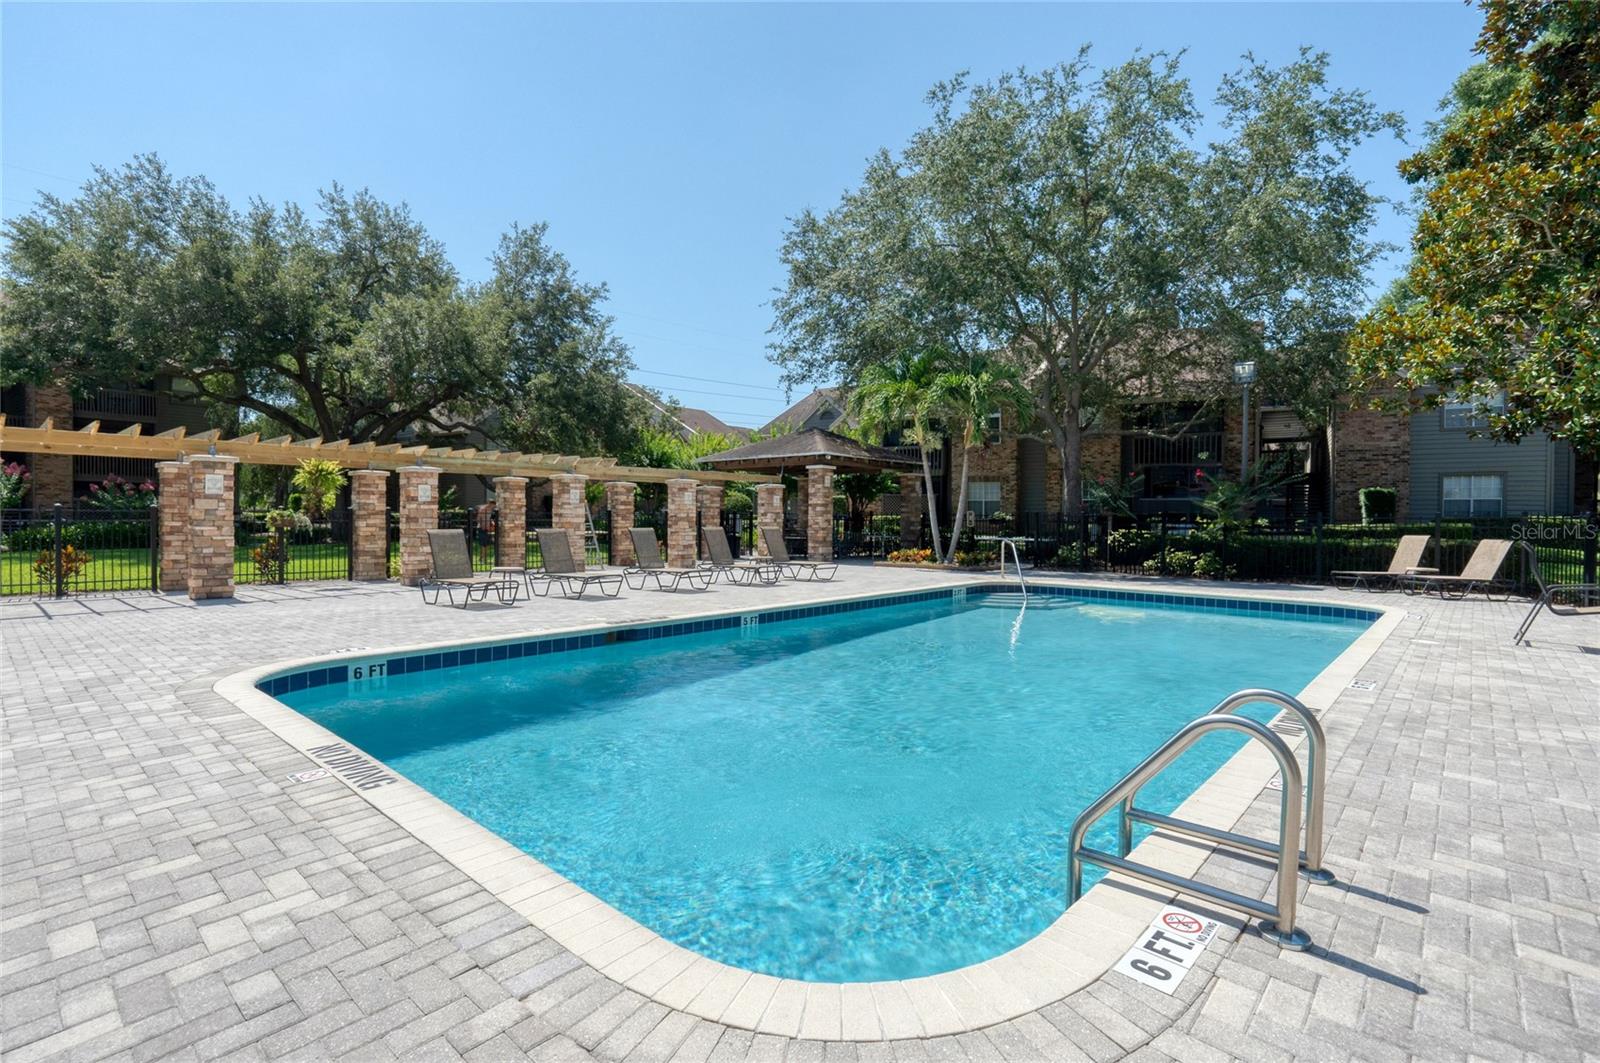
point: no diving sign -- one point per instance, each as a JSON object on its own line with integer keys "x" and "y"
{"x": 1168, "y": 949}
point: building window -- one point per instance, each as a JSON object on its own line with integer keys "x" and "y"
{"x": 1473, "y": 496}
{"x": 983, "y": 497}
{"x": 1465, "y": 413}
{"x": 992, "y": 428}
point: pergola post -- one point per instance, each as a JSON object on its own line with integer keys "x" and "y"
{"x": 511, "y": 521}
{"x": 619, "y": 509}
{"x": 708, "y": 497}
{"x": 172, "y": 505}
{"x": 419, "y": 514}
{"x": 912, "y": 506}
{"x": 819, "y": 512}
{"x": 567, "y": 511}
{"x": 369, "y": 524}
{"x": 211, "y": 526}
{"x": 769, "y": 514}
{"x": 681, "y": 552}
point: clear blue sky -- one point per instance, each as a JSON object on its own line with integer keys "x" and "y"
{"x": 665, "y": 145}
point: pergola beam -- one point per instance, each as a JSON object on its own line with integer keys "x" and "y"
{"x": 175, "y": 444}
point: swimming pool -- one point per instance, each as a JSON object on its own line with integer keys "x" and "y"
{"x": 878, "y": 792}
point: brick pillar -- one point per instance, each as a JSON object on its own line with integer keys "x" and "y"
{"x": 50, "y": 475}
{"x": 769, "y": 513}
{"x": 619, "y": 503}
{"x": 511, "y": 521}
{"x": 568, "y": 509}
{"x": 1371, "y": 448}
{"x": 210, "y": 546}
{"x": 708, "y": 497}
{"x": 682, "y": 550}
{"x": 912, "y": 508}
{"x": 172, "y": 505}
{"x": 419, "y": 514}
{"x": 369, "y": 524}
{"x": 819, "y": 512}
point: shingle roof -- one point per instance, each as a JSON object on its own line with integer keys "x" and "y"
{"x": 813, "y": 446}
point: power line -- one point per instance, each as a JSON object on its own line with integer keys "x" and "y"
{"x": 722, "y": 394}
{"x": 714, "y": 380}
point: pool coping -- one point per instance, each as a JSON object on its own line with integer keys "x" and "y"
{"x": 1072, "y": 953}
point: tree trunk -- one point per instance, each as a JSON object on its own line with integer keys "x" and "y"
{"x": 933, "y": 506}
{"x": 1067, "y": 431}
{"x": 961, "y": 511}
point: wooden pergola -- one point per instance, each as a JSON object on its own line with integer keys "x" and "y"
{"x": 175, "y": 444}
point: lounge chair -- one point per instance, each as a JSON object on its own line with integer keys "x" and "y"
{"x": 1407, "y": 561}
{"x": 452, "y": 571}
{"x": 723, "y": 564}
{"x": 1481, "y": 573}
{"x": 650, "y": 566}
{"x": 560, "y": 570}
{"x": 1585, "y": 597}
{"x": 779, "y": 552}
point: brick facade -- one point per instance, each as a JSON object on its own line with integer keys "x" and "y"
{"x": 172, "y": 515}
{"x": 1371, "y": 448}
{"x": 819, "y": 512}
{"x": 369, "y": 524}
{"x": 996, "y": 461}
{"x": 769, "y": 513}
{"x": 51, "y": 474}
{"x": 913, "y": 507}
{"x": 619, "y": 506}
{"x": 709, "y": 499}
{"x": 511, "y": 521}
{"x": 681, "y": 524}
{"x": 210, "y": 546}
{"x": 419, "y": 514}
{"x": 569, "y": 511}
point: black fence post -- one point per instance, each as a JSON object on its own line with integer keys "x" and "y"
{"x": 1591, "y": 548}
{"x": 1321, "y": 562}
{"x": 153, "y": 537}
{"x": 60, "y": 568}
{"x": 1163, "y": 526}
{"x": 280, "y": 546}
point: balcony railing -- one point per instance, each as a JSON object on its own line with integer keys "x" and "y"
{"x": 118, "y": 404}
{"x": 1190, "y": 449}
{"x": 935, "y": 457}
{"x": 93, "y": 468}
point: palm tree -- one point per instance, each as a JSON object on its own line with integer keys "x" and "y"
{"x": 896, "y": 396}
{"x": 967, "y": 390}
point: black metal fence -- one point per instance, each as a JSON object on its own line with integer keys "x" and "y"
{"x": 77, "y": 550}
{"x": 1565, "y": 546}
{"x": 278, "y": 546}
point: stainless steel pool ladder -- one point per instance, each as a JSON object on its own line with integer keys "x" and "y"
{"x": 1016, "y": 558}
{"x": 1278, "y": 922}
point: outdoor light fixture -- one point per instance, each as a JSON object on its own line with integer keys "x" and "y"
{"x": 1244, "y": 374}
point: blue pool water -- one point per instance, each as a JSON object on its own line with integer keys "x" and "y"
{"x": 866, "y": 795}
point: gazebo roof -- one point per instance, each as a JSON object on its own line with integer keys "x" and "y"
{"x": 814, "y": 446}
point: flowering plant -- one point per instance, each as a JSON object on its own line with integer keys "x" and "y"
{"x": 115, "y": 493}
{"x": 14, "y": 481}
{"x": 72, "y": 561}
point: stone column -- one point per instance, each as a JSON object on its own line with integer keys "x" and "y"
{"x": 682, "y": 550}
{"x": 769, "y": 513}
{"x": 419, "y": 514}
{"x": 50, "y": 475}
{"x": 912, "y": 508}
{"x": 369, "y": 524}
{"x": 819, "y": 512}
{"x": 708, "y": 499}
{"x": 567, "y": 510}
{"x": 511, "y": 521}
{"x": 172, "y": 505}
{"x": 210, "y": 546}
{"x": 619, "y": 503}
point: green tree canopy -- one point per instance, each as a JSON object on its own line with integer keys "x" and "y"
{"x": 346, "y": 324}
{"x": 1071, "y": 221}
{"x": 1503, "y": 292}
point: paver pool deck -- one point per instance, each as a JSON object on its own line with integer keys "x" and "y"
{"x": 167, "y": 893}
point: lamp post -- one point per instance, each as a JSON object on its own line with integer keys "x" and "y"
{"x": 1244, "y": 374}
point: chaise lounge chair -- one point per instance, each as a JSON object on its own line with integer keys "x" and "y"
{"x": 452, "y": 571}
{"x": 722, "y": 562}
{"x": 1481, "y": 573}
{"x": 1585, "y": 597}
{"x": 779, "y": 552}
{"x": 1407, "y": 561}
{"x": 650, "y": 566}
{"x": 562, "y": 571}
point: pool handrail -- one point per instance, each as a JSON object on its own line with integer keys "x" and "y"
{"x": 1016, "y": 557}
{"x": 1278, "y": 920}
{"x": 1311, "y": 868}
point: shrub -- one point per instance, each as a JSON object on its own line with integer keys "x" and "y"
{"x": 287, "y": 520}
{"x": 14, "y": 482}
{"x": 1131, "y": 546}
{"x": 318, "y": 481}
{"x": 1210, "y": 566}
{"x": 73, "y": 561}
{"x": 1378, "y": 504}
{"x": 1069, "y": 556}
{"x": 737, "y": 502}
{"x": 1179, "y": 563}
{"x": 976, "y": 558}
{"x": 119, "y": 495}
{"x": 911, "y": 557}
{"x": 268, "y": 562}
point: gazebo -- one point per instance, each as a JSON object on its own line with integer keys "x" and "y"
{"x": 813, "y": 456}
